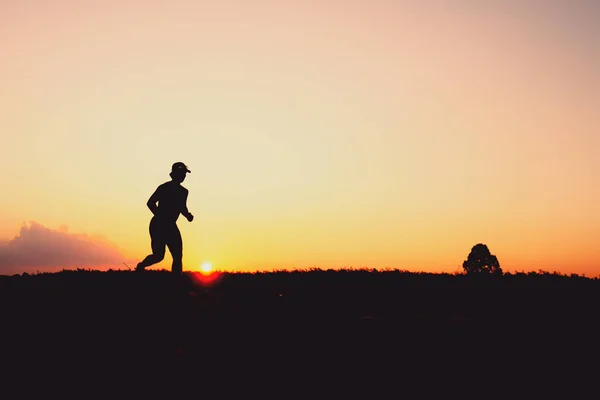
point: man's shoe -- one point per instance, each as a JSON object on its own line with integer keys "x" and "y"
{"x": 140, "y": 268}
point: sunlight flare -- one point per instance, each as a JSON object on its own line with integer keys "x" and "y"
{"x": 206, "y": 275}
{"x": 206, "y": 267}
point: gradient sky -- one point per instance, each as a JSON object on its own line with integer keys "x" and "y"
{"x": 323, "y": 133}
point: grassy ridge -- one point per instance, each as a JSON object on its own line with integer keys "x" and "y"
{"x": 347, "y": 325}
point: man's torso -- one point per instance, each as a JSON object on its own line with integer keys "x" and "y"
{"x": 171, "y": 201}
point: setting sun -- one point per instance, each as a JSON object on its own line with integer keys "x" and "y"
{"x": 206, "y": 267}
{"x": 206, "y": 274}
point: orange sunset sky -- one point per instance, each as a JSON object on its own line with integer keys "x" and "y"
{"x": 380, "y": 133}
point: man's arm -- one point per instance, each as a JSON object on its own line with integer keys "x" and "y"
{"x": 185, "y": 211}
{"x": 153, "y": 200}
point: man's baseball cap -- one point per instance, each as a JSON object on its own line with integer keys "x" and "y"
{"x": 179, "y": 166}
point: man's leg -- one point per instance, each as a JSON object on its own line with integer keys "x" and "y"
{"x": 158, "y": 247}
{"x": 175, "y": 245}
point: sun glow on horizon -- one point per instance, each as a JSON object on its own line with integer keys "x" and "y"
{"x": 206, "y": 267}
{"x": 206, "y": 274}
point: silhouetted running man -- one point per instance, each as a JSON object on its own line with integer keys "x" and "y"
{"x": 172, "y": 201}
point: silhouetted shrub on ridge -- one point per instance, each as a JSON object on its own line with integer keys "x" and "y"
{"x": 480, "y": 260}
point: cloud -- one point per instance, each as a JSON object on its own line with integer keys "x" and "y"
{"x": 37, "y": 248}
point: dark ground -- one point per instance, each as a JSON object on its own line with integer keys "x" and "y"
{"x": 315, "y": 334}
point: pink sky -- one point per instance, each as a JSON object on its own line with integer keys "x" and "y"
{"x": 320, "y": 133}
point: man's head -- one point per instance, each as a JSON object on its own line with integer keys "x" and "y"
{"x": 179, "y": 171}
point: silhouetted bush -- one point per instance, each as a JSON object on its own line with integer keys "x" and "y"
{"x": 480, "y": 260}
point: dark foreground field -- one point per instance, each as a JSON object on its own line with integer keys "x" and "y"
{"x": 318, "y": 334}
